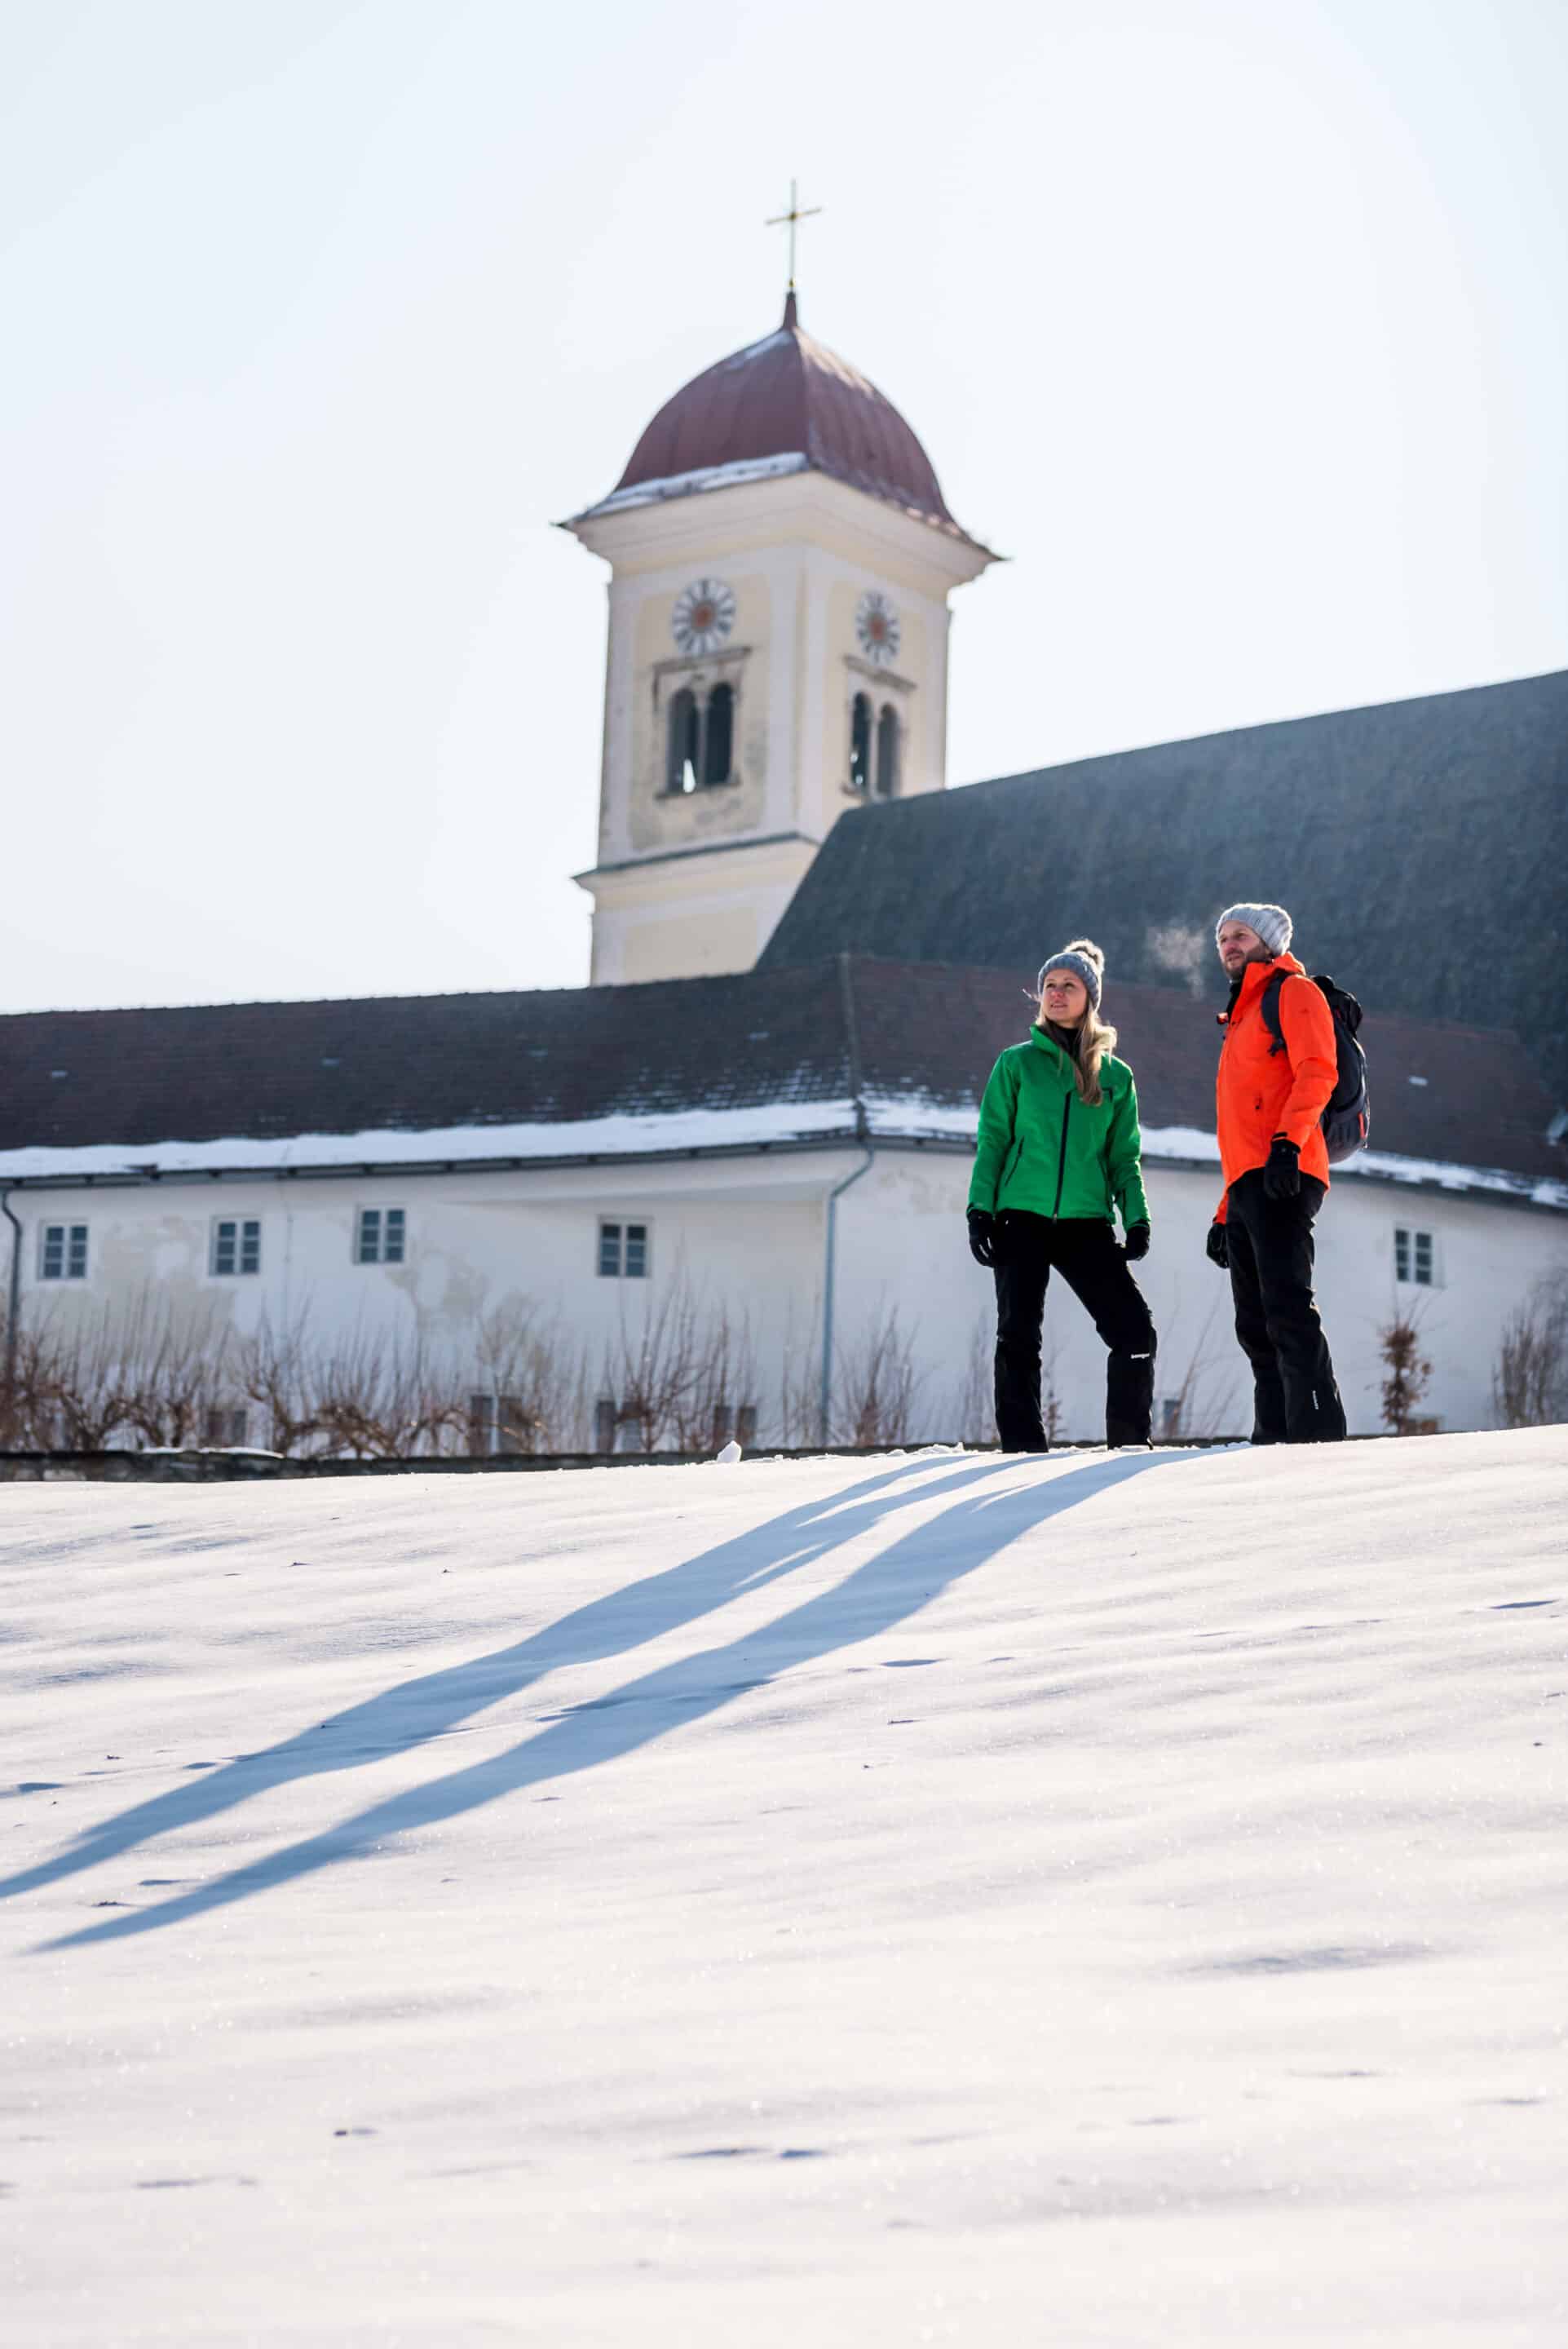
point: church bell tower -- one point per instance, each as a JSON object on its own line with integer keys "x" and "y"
{"x": 781, "y": 559}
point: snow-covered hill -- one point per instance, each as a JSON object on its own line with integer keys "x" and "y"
{"x": 930, "y": 1899}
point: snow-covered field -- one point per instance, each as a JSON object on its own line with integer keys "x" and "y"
{"x": 931, "y": 1898}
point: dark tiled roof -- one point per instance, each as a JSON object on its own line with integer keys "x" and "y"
{"x": 266, "y": 1070}
{"x": 791, "y": 395}
{"x": 1416, "y": 844}
{"x": 926, "y": 1026}
{"x": 796, "y": 1036}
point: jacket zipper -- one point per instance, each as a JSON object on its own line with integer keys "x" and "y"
{"x": 1062, "y": 1155}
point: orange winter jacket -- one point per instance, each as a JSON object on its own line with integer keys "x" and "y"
{"x": 1260, "y": 1093}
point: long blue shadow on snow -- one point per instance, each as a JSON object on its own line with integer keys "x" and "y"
{"x": 896, "y": 1583}
{"x": 432, "y": 1705}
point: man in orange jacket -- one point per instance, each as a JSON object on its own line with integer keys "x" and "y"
{"x": 1274, "y": 1161}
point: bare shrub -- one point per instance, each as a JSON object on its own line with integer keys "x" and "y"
{"x": 722, "y": 1384}
{"x": 650, "y": 1365}
{"x": 1052, "y": 1409}
{"x": 32, "y": 1409}
{"x": 1530, "y": 1381}
{"x": 875, "y": 1383}
{"x": 800, "y": 1380}
{"x": 274, "y": 1366}
{"x": 83, "y": 1377}
{"x": 141, "y": 1366}
{"x": 1409, "y": 1374}
{"x": 176, "y": 1370}
{"x": 973, "y": 1408}
{"x": 1205, "y": 1399}
{"x": 380, "y": 1397}
{"x": 682, "y": 1373}
{"x": 535, "y": 1378}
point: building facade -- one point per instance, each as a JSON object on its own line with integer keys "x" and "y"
{"x": 641, "y": 1216}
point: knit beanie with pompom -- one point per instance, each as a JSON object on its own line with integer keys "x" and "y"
{"x": 1085, "y": 960}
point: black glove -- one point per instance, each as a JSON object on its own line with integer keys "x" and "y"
{"x": 1135, "y": 1242}
{"x": 982, "y": 1236}
{"x": 1217, "y": 1247}
{"x": 1282, "y": 1175}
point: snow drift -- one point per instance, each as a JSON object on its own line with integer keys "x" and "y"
{"x": 930, "y": 1899}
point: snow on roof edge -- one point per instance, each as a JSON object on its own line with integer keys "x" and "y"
{"x": 891, "y": 1117}
{"x": 618, "y": 1135}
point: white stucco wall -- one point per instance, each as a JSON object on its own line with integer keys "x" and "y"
{"x": 747, "y": 1234}
{"x": 902, "y": 1238}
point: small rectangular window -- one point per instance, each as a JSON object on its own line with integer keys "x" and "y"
{"x": 499, "y": 1425}
{"x": 224, "y": 1424}
{"x": 1415, "y": 1257}
{"x": 236, "y": 1245}
{"x": 605, "y": 1418}
{"x": 378, "y": 1235}
{"x": 746, "y": 1424}
{"x": 624, "y": 1250}
{"x": 63, "y": 1252}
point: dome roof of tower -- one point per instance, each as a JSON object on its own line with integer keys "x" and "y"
{"x": 787, "y": 404}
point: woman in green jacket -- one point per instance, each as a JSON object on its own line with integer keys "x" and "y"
{"x": 1058, "y": 1153}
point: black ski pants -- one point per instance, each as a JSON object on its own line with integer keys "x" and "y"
{"x": 1086, "y": 1253}
{"x": 1295, "y": 1399}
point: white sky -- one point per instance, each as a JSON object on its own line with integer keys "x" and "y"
{"x": 1238, "y": 324}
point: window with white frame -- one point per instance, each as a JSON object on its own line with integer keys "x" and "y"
{"x": 1415, "y": 1257}
{"x": 236, "y": 1245}
{"x": 223, "y": 1424}
{"x": 379, "y": 1236}
{"x": 622, "y": 1251}
{"x": 63, "y": 1252}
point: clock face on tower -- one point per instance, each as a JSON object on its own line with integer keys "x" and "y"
{"x": 876, "y": 626}
{"x": 704, "y": 615}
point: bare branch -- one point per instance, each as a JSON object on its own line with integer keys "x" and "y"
{"x": 1530, "y": 1380}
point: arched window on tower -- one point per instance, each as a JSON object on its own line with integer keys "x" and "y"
{"x": 719, "y": 735}
{"x": 887, "y": 752}
{"x": 682, "y": 750}
{"x": 861, "y": 743}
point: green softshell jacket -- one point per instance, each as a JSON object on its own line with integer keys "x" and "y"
{"x": 1043, "y": 1148}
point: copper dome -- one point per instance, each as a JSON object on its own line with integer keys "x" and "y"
{"x": 786, "y": 396}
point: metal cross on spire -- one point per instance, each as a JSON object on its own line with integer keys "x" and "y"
{"x": 791, "y": 219}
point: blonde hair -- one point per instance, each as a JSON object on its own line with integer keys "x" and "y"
{"x": 1093, "y": 1038}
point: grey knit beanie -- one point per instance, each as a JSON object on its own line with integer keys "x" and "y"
{"x": 1272, "y": 923}
{"x": 1085, "y": 960}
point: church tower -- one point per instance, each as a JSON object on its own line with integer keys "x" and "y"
{"x": 781, "y": 558}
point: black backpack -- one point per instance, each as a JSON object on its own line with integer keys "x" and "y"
{"x": 1348, "y": 1120}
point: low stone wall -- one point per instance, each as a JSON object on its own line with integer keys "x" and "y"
{"x": 246, "y": 1467}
